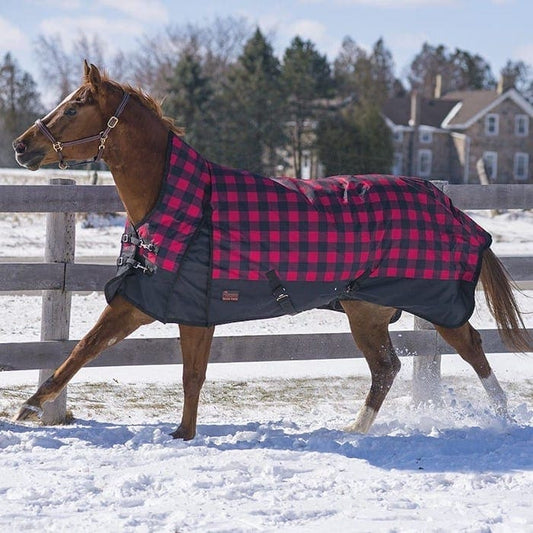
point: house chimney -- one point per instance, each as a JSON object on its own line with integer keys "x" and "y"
{"x": 505, "y": 83}
{"x": 414, "y": 119}
{"x": 438, "y": 86}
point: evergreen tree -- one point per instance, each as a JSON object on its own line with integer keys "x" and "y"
{"x": 307, "y": 79}
{"x": 339, "y": 145}
{"x": 253, "y": 103}
{"x": 20, "y": 106}
{"x": 189, "y": 95}
{"x": 355, "y": 141}
{"x": 376, "y": 138}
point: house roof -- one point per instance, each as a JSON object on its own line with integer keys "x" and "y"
{"x": 432, "y": 111}
{"x": 474, "y": 104}
{"x": 455, "y": 110}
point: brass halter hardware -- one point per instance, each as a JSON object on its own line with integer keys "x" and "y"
{"x": 102, "y": 137}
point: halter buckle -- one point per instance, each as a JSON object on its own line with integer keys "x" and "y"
{"x": 58, "y": 146}
{"x": 112, "y": 122}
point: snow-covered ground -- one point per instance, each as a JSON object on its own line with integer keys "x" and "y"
{"x": 270, "y": 454}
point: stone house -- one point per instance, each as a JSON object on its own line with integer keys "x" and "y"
{"x": 463, "y": 136}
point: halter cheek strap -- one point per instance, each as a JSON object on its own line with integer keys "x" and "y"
{"x": 102, "y": 137}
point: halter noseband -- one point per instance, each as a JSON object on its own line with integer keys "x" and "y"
{"x": 102, "y": 137}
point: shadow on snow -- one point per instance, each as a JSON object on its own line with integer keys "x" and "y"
{"x": 473, "y": 449}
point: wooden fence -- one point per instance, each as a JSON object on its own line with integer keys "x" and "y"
{"x": 58, "y": 276}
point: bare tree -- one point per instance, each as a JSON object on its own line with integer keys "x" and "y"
{"x": 214, "y": 46}
{"x": 60, "y": 68}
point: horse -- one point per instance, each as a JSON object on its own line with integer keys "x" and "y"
{"x": 132, "y": 137}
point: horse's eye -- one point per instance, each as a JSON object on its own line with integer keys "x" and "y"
{"x": 70, "y": 111}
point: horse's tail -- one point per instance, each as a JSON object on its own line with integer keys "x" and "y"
{"x": 498, "y": 288}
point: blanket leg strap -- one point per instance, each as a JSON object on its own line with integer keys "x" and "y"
{"x": 280, "y": 292}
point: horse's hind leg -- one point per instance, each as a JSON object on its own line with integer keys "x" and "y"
{"x": 117, "y": 321}
{"x": 467, "y": 341}
{"x": 370, "y": 328}
{"x": 195, "y": 348}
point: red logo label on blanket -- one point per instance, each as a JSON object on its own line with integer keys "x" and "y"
{"x": 230, "y": 296}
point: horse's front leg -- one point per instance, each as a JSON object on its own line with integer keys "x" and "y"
{"x": 118, "y": 320}
{"x": 195, "y": 348}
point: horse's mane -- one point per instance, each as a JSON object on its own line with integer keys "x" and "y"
{"x": 147, "y": 101}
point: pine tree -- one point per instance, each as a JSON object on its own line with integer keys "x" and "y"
{"x": 355, "y": 140}
{"x": 20, "y": 106}
{"x": 189, "y": 96}
{"x": 307, "y": 79}
{"x": 253, "y": 104}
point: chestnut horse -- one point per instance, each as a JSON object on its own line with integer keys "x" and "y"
{"x": 132, "y": 140}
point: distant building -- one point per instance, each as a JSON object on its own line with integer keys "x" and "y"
{"x": 463, "y": 136}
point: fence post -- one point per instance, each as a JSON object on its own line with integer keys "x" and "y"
{"x": 55, "y": 318}
{"x": 426, "y": 370}
{"x": 426, "y": 366}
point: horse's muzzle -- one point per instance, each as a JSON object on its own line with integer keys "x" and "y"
{"x": 31, "y": 159}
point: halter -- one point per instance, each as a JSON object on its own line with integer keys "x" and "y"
{"x": 102, "y": 137}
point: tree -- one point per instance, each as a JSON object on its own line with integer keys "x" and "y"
{"x": 516, "y": 74}
{"x": 60, "y": 69}
{"x": 355, "y": 141}
{"x": 459, "y": 70}
{"x": 365, "y": 76}
{"x": 215, "y": 46}
{"x": 339, "y": 145}
{"x": 306, "y": 75}
{"x": 189, "y": 94}
{"x": 253, "y": 102}
{"x": 20, "y": 106}
{"x": 470, "y": 71}
{"x": 427, "y": 64}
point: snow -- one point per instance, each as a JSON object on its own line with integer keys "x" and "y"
{"x": 270, "y": 454}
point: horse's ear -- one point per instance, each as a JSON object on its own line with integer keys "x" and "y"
{"x": 86, "y": 69}
{"x": 92, "y": 75}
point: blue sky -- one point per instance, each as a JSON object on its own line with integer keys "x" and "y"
{"x": 496, "y": 29}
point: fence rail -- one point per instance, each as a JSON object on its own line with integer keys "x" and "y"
{"x": 66, "y": 276}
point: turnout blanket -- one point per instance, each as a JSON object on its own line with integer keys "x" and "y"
{"x": 224, "y": 245}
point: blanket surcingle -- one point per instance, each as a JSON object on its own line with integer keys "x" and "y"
{"x": 224, "y": 245}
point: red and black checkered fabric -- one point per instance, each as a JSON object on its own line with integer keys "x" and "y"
{"x": 330, "y": 229}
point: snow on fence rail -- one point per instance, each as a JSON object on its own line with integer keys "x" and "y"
{"x": 58, "y": 276}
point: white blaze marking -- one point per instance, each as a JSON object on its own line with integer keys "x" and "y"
{"x": 64, "y": 101}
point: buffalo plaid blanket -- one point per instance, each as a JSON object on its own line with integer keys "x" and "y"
{"x": 224, "y": 245}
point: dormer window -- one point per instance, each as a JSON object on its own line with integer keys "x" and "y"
{"x": 521, "y": 125}
{"x": 492, "y": 123}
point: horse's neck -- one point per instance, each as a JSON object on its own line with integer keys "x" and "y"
{"x": 136, "y": 160}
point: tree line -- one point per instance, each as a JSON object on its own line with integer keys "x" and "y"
{"x": 242, "y": 106}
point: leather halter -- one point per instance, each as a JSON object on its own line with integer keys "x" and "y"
{"x": 102, "y": 137}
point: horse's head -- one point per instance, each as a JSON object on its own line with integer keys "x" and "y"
{"x": 76, "y": 129}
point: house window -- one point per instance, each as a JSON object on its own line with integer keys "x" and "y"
{"x": 397, "y": 164}
{"x": 492, "y": 124}
{"x": 491, "y": 164}
{"x": 424, "y": 163}
{"x": 521, "y": 125}
{"x": 425, "y": 136}
{"x": 521, "y": 166}
{"x": 397, "y": 136}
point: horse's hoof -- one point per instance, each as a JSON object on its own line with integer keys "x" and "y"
{"x": 29, "y": 412}
{"x": 182, "y": 433}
